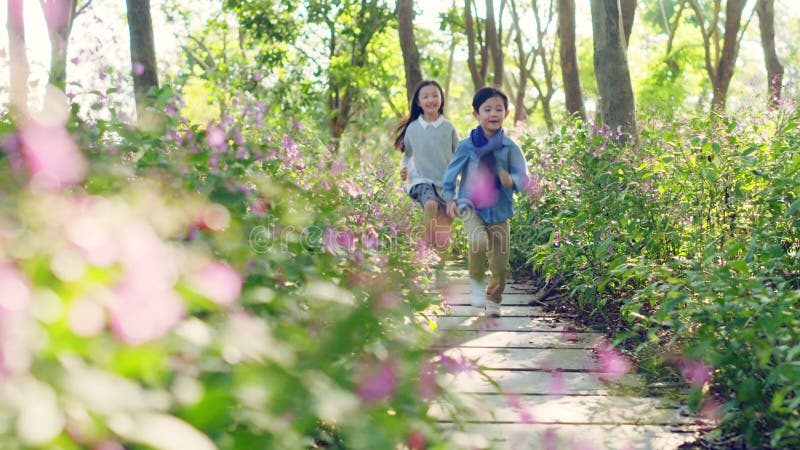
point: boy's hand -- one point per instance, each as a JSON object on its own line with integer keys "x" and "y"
{"x": 452, "y": 209}
{"x": 404, "y": 174}
{"x": 505, "y": 178}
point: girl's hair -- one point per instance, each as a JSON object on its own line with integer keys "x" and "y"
{"x": 485, "y": 93}
{"x": 416, "y": 111}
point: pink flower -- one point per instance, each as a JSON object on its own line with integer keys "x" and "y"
{"x": 140, "y": 314}
{"x": 218, "y": 282}
{"x": 557, "y": 385}
{"x": 216, "y": 138}
{"x": 696, "y": 372}
{"x": 483, "y": 192}
{"x": 15, "y": 295}
{"x": 138, "y": 68}
{"x": 377, "y": 383}
{"x": 613, "y": 365}
{"x": 52, "y": 157}
{"x": 427, "y": 387}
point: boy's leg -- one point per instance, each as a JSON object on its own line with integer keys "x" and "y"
{"x": 499, "y": 247}
{"x": 478, "y": 241}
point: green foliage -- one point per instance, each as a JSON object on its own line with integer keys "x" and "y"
{"x": 693, "y": 238}
{"x": 228, "y": 285}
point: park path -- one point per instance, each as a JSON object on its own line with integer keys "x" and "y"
{"x": 540, "y": 385}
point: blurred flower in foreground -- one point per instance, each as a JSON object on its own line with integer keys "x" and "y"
{"x": 482, "y": 190}
{"x": 52, "y": 157}
{"x": 612, "y": 365}
{"x": 377, "y": 382}
{"x": 696, "y": 372}
{"x": 218, "y": 282}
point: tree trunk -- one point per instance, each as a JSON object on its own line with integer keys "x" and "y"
{"x": 493, "y": 42}
{"x": 628, "y": 8}
{"x": 523, "y": 57}
{"x": 18, "y": 63}
{"x": 59, "y": 16}
{"x": 730, "y": 50}
{"x": 617, "y": 108}
{"x": 766, "y": 23}
{"x": 143, "y": 53}
{"x": 408, "y": 45}
{"x": 476, "y": 49}
{"x": 569, "y": 59}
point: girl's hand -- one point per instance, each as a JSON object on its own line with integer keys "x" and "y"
{"x": 505, "y": 178}
{"x": 404, "y": 174}
{"x": 452, "y": 209}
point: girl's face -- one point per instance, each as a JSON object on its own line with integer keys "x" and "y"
{"x": 490, "y": 115}
{"x": 430, "y": 100}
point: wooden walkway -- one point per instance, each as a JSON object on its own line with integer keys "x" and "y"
{"x": 529, "y": 380}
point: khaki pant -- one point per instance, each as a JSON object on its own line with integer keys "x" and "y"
{"x": 488, "y": 243}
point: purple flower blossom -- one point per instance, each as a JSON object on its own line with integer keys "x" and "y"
{"x": 377, "y": 383}
{"x": 138, "y": 68}
{"x": 216, "y": 138}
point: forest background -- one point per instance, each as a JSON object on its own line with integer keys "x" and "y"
{"x": 226, "y": 168}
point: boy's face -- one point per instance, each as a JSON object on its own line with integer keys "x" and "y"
{"x": 430, "y": 100}
{"x": 490, "y": 115}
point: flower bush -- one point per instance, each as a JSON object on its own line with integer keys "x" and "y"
{"x": 692, "y": 238}
{"x": 232, "y": 285}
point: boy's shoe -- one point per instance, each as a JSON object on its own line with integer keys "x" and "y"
{"x": 478, "y": 294}
{"x": 492, "y": 309}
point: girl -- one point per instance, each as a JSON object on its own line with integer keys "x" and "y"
{"x": 491, "y": 168}
{"x": 428, "y": 142}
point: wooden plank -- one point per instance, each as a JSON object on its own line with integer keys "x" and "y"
{"x": 509, "y": 298}
{"x": 524, "y": 339}
{"x": 546, "y": 436}
{"x": 551, "y": 409}
{"x": 525, "y": 358}
{"x": 535, "y": 382}
{"x": 504, "y": 324}
{"x": 459, "y": 310}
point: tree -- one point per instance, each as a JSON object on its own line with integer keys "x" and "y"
{"x": 408, "y": 45}
{"x": 18, "y": 66}
{"x": 720, "y": 64}
{"x": 542, "y": 52}
{"x": 628, "y": 8}
{"x": 143, "y": 53}
{"x": 493, "y": 40}
{"x": 59, "y": 15}
{"x": 766, "y": 24}
{"x": 477, "y": 49}
{"x": 570, "y": 75}
{"x": 617, "y": 108}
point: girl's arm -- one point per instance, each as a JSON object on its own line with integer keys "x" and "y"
{"x": 455, "y": 167}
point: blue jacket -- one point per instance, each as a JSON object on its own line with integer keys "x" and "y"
{"x": 465, "y": 161}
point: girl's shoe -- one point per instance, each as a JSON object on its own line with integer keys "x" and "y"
{"x": 492, "y": 309}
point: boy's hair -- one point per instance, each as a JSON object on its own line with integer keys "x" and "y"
{"x": 416, "y": 111}
{"x": 485, "y": 93}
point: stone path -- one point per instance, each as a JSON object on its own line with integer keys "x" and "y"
{"x": 539, "y": 384}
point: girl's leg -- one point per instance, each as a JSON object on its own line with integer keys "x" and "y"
{"x": 441, "y": 233}
{"x": 499, "y": 247}
{"x": 430, "y": 211}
